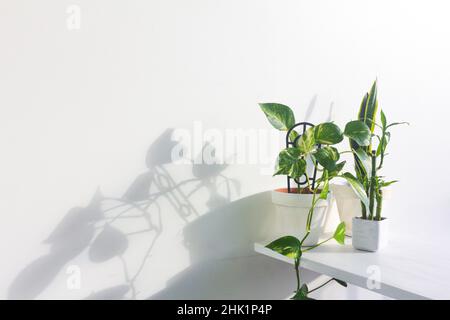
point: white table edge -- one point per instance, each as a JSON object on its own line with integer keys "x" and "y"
{"x": 355, "y": 279}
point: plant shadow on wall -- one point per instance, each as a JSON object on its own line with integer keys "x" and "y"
{"x": 223, "y": 262}
{"x": 108, "y": 227}
{"x": 222, "y": 256}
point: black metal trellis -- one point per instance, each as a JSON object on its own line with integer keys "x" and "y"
{"x": 304, "y": 125}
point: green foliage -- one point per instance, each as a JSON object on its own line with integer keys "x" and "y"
{"x": 364, "y": 160}
{"x": 288, "y": 246}
{"x": 357, "y": 187}
{"x": 369, "y": 106}
{"x": 324, "y": 193}
{"x": 327, "y": 157}
{"x": 291, "y": 163}
{"x": 279, "y": 115}
{"x": 302, "y": 293}
{"x": 359, "y": 132}
{"x": 367, "y": 184}
{"x": 328, "y": 133}
{"x": 306, "y": 143}
{"x": 384, "y": 138}
{"x": 339, "y": 234}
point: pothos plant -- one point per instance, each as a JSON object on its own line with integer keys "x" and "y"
{"x": 369, "y": 160}
{"x": 315, "y": 147}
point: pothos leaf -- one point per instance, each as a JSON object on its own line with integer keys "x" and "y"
{"x": 339, "y": 234}
{"x": 288, "y": 246}
{"x": 333, "y": 173}
{"x": 328, "y": 133}
{"x": 359, "y": 132}
{"x": 306, "y": 142}
{"x": 293, "y": 135}
{"x": 279, "y": 115}
{"x": 290, "y": 163}
{"x": 302, "y": 293}
{"x": 327, "y": 157}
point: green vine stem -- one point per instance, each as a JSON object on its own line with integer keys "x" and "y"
{"x": 297, "y": 272}
{"x": 308, "y": 231}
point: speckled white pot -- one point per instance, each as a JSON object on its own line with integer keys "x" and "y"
{"x": 370, "y": 235}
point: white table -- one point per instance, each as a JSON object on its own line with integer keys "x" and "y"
{"x": 404, "y": 270}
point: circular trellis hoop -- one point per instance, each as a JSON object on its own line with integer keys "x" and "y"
{"x": 289, "y": 144}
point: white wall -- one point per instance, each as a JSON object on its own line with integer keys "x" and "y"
{"x": 80, "y": 108}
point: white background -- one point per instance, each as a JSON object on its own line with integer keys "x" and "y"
{"x": 80, "y": 108}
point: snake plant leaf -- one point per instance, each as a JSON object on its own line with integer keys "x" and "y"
{"x": 306, "y": 142}
{"x": 290, "y": 163}
{"x": 357, "y": 188}
{"x": 288, "y": 246}
{"x": 279, "y": 115}
{"x": 365, "y": 160}
{"x": 368, "y": 114}
{"x": 327, "y": 157}
{"x": 302, "y": 293}
{"x": 339, "y": 233}
{"x": 358, "y": 131}
{"x": 361, "y": 117}
{"x": 327, "y": 133}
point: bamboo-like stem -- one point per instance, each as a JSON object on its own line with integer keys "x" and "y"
{"x": 363, "y": 211}
{"x": 379, "y": 205}
{"x": 372, "y": 186}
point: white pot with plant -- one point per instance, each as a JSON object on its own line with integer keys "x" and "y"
{"x": 306, "y": 153}
{"x": 369, "y": 227}
{"x": 301, "y": 211}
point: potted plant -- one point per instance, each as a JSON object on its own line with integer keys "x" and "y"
{"x": 348, "y": 203}
{"x": 314, "y": 147}
{"x": 370, "y": 228}
{"x": 299, "y": 162}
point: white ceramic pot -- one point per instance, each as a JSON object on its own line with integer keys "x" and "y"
{"x": 370, "y": 235}
{"x": 292, "y": 212}
{"x": 348, "y": 204}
